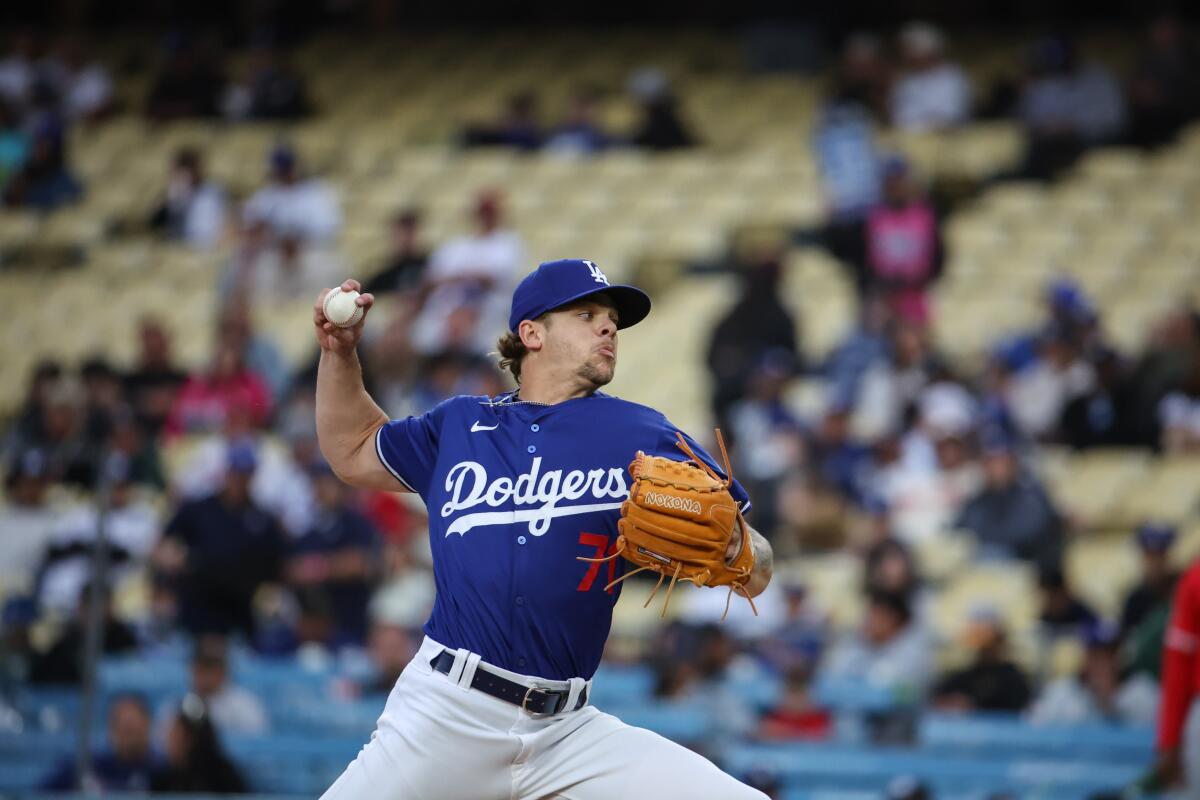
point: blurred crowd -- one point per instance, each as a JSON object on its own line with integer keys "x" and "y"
{"x": 225, "y": 529}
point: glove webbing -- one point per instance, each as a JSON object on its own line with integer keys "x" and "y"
{"x": 695, "y": 579}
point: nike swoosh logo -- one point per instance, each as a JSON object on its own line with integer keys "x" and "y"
{"x": 476, "y": 428}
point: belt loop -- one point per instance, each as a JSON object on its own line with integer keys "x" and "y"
{"x": 470, "y": 664}
{"x": 460, "y": 662}
{"x": 577, "y": 687}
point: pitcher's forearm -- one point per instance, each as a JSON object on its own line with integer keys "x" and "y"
{"x": 347, "y": 417}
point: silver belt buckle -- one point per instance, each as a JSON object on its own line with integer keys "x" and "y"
{"x": 527, "y": 710}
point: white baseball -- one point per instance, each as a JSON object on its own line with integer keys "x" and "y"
{"x": 340, "y": 308}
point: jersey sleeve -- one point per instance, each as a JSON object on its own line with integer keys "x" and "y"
{"x": 1179, "y": 661}
{"x": 408, "y": 448}
{"x": 668, "y": 446}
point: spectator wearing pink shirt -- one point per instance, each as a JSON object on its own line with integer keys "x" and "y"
{"x": 208, "y": 398}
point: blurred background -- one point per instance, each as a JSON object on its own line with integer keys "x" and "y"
{"x": 930, "y": 266}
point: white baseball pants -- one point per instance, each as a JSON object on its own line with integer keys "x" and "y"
{"x": 439, "y": 740}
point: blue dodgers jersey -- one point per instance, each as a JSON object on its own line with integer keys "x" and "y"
{"x": 516, "y": 491}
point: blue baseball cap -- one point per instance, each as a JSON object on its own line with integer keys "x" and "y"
{"x": 556, "y": 283}
{"x": 1155, "y": 537}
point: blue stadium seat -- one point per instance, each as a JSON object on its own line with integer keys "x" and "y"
{"x": 848, "y": 768}
{"x": 1009, "y": 736}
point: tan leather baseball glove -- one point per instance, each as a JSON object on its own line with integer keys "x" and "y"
{"x": 679, "y": 521}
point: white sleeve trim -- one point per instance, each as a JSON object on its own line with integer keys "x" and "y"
{"x": 384, "y": 461}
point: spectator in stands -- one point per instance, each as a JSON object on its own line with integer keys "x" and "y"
{"x": 83, "y": 85}
{"x": 27, "y": 520}
{"x": 894, "y": 380}
{"x": 153, "y": 383}
{"x": 866, "y": 345}
{"x": 130, "y": 443}
{"x": 1179, "y": 413}
{"x": 103, "y": 399}
{"x": 1067, "y": 105}
{"x": 767, "y": 437}
{"x": 797, "y": 715}
{"x": 661, "y": 127}
{"x": 889, "y": 567}
{"x": 927, "y": 476}
{"x": 190, "y": 82}
{"x": 468, "y": 285}
{"x": 14, "y": 143}
{"x": 517, "y": 127}
{"x": 334, "y": 562}
{"x": 209, "y": 398}
{"x": 195, "y": 761}
{"x": 45, "y": 182}
{"x": 131, "y": 527}
{"x": 231, "y": 709}
{"x": 843, "y": 140}
{"x": 758, "y": 326}
{"x": 902, "y": 246}
{"x": 18, "y": 68}
{"x": 1012, "y": 516}
{"x": 262, "y": 355}
{"x": 1147, "y": 606}
{"x": 864, "y": 73}
{"x": 221, "y": 549}
{"x": 992, "y": 681}
{"x": 1106, "y": 414}
{"x": 390, "y": 648}
{"x": 931, "y": 93}
{"x": 29, "y": 423}
{"x": 62, "y": 662}
{"x": 1163, "y": 93}
{"x": 407, "y": 256}
{"x": 127, "y": 764}
{"x": 60, "y": 439}
{"x": 1062, "y": 613}
{"x": 194, "y": 209}
{"x": 889, "y": 652}
{"x": 292, "y": 206}
{"x": 1038, "y": 395}
{"x": 270, "y": 90}
{"x": 800, "y": 635}
{"x": 841, "y": 460}
{"x": 580, "y": 134}
{"x": 1097, "y": 694}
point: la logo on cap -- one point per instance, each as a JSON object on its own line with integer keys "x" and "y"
{"x": 597, "y": 275}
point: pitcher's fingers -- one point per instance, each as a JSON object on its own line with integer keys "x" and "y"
{"x": 351, "y": 285}
{"x": 365, "y": 300}
{"x": 319, "y": 307}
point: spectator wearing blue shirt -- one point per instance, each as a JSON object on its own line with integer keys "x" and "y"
{"x": 580, "y": 133}
{"x": 127, "y": 764}
{"x": 44, "y": 183}
{"x": 332, "y": 566}
{"x": 221, "y": 549}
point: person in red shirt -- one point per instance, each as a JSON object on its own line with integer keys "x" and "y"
{"x": 1180, "y": 681}
{"x": 797, "y": 716}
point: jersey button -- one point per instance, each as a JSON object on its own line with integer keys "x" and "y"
{"x": 520, "y": 662}
{"x": 520, "y": 600}
{"x": 520, "y": 540}
{"x": 531, "y": 449}
{"x": 535, "y": 427}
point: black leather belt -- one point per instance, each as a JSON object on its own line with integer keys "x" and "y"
{"x": 538, "y": 702}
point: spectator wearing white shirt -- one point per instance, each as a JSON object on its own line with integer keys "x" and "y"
{"x": 194, "y": 209}
{"x": 18, "y": 73}
{"x": 293, "y": 206}
{"x": 890, "y": 652}
{"x": 932, "y": 93}
{"x": 233, "y": 710}
{"x": 26, "y": 522}
{"x": 468, "y": 285}
{"x": 1097, "y": 694}
{"x": 84, "y": 87}
{"x": 1179, "y": 414}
